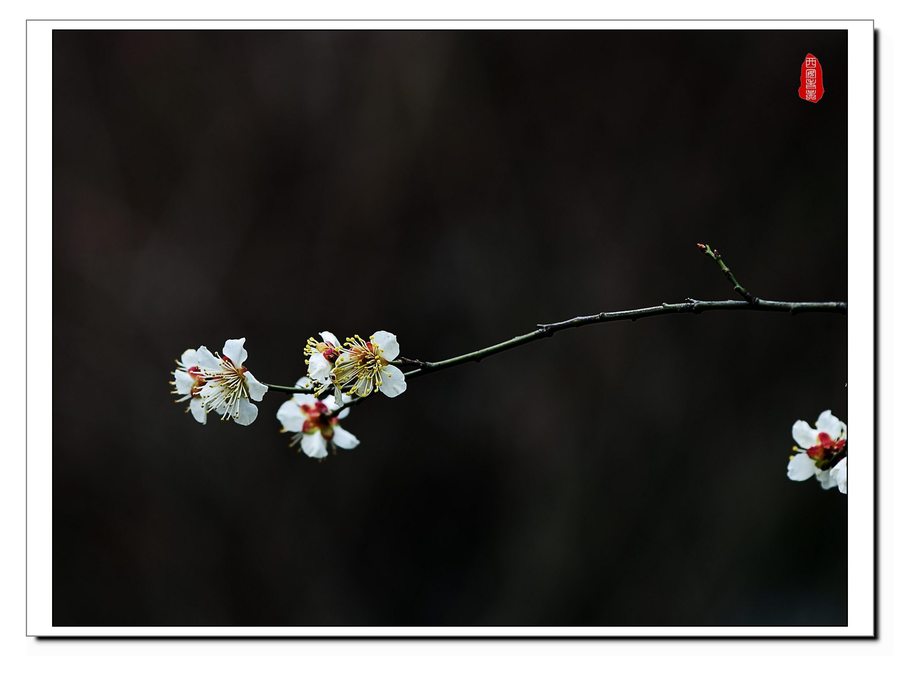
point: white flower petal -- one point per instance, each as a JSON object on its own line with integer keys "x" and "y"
{"x": 331, "y": 403}
{"x": 800, "y": 467}
{"x": 207, "y": 360}
{"x": 329, "y": 337}
{"x": 343, "y": 414}
{"x": 314, "y": 445}
{"x": 830, "y": 424}
{"x": 804, "y": 435}
{"x": 394, "y": 382}
{"x": 246, "y": 412}
{"x": 198, "y": 411}
{"x": 234, "y": 350}
{"x": 344, "y": 439}
{"x": 300, "y": 399}
{"x": 304, "y": 383}
{"x": 189, "y": 358}
{"x": 319, "y": 368}
{"x": 290, "y": 416}
{"x": 257, "y": 389}
{"x": 826, "y": 480}
{"x": 387, "y": 341}
{"x": 839, "y": 474}
{"x": 184, "y": 382}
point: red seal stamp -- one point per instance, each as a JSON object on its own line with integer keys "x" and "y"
{"x": 811, "y": 88}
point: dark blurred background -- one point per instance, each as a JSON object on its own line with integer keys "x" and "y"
{"x": 454, "y": 188}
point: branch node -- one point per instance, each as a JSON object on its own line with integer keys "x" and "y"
{"x": 694, "y": 305}
{"x": 411, "y": 361}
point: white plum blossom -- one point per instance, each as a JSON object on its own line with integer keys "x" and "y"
{"x": 321, "y": 356}
{"x": 228, "y": 386}
{"x": 315, "y": 423}
{"x": 820, "y": 452}
{"x": 188, "y": 381}
{"x": 364, "y": 366}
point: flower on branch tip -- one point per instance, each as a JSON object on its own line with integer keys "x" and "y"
{"x": 316, "y": 423}
{"x": 188, "y": 381}
{"x": 364, "y": 366}
{"x": 321, "y": 356}
{"x": 820, "y": 452}
{"x": 219, "y": 383}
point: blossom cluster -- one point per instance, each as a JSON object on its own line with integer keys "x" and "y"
{"x": 350, "y": 370}
{"x": 339, "y": 374}
{"x": 358, "y": 367}
{"x": 820, "y": 452}
{"x": 220, "y": 383}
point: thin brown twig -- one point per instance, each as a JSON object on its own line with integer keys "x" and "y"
{"x": 750, "y": 303}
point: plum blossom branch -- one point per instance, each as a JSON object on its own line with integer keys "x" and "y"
{"x": 749, "y": 303}
{"x": 689, "y": 306}
{"x": 342, "y": 374}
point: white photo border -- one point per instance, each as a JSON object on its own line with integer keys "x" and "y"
{"x": 862, "y": 581}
